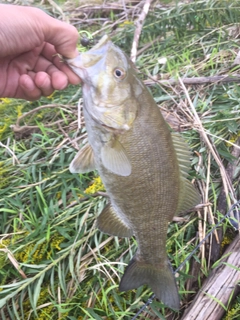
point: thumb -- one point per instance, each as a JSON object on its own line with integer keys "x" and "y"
{"x": 63, "y": 36}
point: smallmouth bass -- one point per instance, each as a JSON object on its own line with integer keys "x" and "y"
{"x": 141, "y": 163}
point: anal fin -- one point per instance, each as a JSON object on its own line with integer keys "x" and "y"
{"x": 109, "y": 222}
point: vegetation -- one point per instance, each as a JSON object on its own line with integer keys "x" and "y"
{"x": 54, "y": 264}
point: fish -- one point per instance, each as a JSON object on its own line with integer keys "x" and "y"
{"x": 143, "y": 165}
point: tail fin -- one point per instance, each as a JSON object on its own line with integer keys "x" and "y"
{"x": 161, "y": 280}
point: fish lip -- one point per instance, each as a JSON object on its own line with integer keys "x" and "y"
{"x": 72, "y": 63}
{"x": 86, "y": 60}
{"x": 79, "y": 71}
{"x": 102, "y": 42}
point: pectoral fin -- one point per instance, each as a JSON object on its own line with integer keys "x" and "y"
{"x": 109, "y": 222}
{"x": 83, "y": 161}
{"x": 115, "y": 158}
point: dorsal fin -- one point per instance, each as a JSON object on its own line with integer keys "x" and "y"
{"x": 183, "y": 153}
{"x": 188, "y": 197}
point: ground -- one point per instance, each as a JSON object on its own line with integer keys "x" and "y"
{"x": 54, "y": 263}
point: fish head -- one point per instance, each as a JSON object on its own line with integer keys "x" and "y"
{"x": 110, "y": 85}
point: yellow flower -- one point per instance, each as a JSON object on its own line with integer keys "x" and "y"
{"x": 6, "y": 100}
{"x": 44, "y": 250}
{"x": 4, "y": 173}
{"x": 19, "y": 110}
{"x": 51, "y": 96}
{"x": 58, "y": 195}
{"x": 228, "y": 238}
{"x": 96, "y": 186}
{"x": 126, "y": 22}
{"x": 3, "y": 128}
{"x": 233, "y": 139}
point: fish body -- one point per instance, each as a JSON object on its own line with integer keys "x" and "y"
{"x": 141, "y": 163}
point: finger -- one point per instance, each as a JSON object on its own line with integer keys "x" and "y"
{"x": 72, "y": 77}
{"x": 59, "y": 78}
{"x": 43, "y": 82}
{"x": 42, "y": 64}
{"x": 50, "y": 54}
{"x": 34, "y": 24}
{"x": 63, "y": 36}
{"x": 27, "y": 88}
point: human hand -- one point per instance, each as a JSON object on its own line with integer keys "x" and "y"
{"x": 30, "y": 41}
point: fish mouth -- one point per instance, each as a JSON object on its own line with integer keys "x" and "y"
{"x": 90, "y": 58}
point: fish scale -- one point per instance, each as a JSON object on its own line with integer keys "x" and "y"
{"x": 142, "y": 164}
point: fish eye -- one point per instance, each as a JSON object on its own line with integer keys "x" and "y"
{"x": 119, "y": 73}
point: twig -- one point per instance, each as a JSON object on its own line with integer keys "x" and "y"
{"x": 58, "y": 8}
{"x": 200, "y": 128}
{"x": 148, "y": 45}
{"x": 219, "y": 289}
{"x": 139, "y": 25}
{"x": 206, "y": 208}
{"x": 30, "y": 129}
{"x": 195, "y": 80}
{"x": 38, "y": 109}
{"x": 14, "y": 262}
{"x": 17, "y": 128}
{"x": 234, "y": 145}
{"x": 54, "y": 105}
{"x": 44, "y": 305}
{"x": 10, "y": 151}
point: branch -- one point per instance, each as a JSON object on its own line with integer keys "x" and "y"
{"x": 195, "y": 80}
{"x": 25, "y": 130}
{"x": 219, "y": 288}
{"x": 139, "y": 25}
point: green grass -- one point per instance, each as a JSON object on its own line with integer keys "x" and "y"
{"x": 54, "y": 264}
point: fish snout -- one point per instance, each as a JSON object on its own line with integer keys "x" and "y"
{"x": 76, "y": 64}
